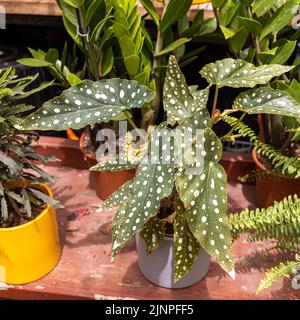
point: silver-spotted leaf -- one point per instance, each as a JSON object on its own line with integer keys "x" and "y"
{"x": 204, "y": 195}
{"x": 119, "y": 197}
{"x": 152, "y": 183}
{"x": 153, "y": 233}
{"x": 186, "y": 246}
{"x": 179, "y": 101}
{"x": 269, "y": 101}
{"x": 240, "y": 74}
{"x": 88, "y": 103}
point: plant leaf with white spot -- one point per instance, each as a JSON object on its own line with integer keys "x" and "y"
{"x": 153, "y": 234}
{"x": 112, "y": 164}
{"x": 186, "y": 246}
{"x": 119, "y": 197}
{"x": 240, "y": 74}
{"x": 88, "y": 103}
{"x": 152, "y": 183}
{"x": 267, "y": 100}
{"x": 205, "y": 198}
{"x": 179, "y": 101}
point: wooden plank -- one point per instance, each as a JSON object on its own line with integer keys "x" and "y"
{"x": 50, "y": 8}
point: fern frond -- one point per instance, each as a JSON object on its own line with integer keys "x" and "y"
{"x": 265, "y": 221}
{"x": 278, "y": 272}
{"x": 289, "y": 166}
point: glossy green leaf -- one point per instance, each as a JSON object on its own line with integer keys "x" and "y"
{"x": 251, "y": 25}
{"x": 281, "y": 19}
{"x": 108, "y": 61}
{"x": 186, "y": 247}
{"x": 228, "y": 32}
{"x": 88, "y": 103}
{"x": 175, "y": 10}
{"x": 239, "y": 73}
{"x": 284, "y": 52}
{"x": 147, "y": 4}
{"x": 32, "y": 62}
{"x": 153, "y": 233}
{"x": 179, "y": 102}
{"x": 132, "y": 64}
{"x": 73, "y": 79}
{"x": 173, "y": 46}
{"x": 269, "y": 101}
{"x": 228, "y": 11}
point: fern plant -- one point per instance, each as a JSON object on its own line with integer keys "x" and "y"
{"x": 17, "y": 156}
{"x": 285, "y": 165}
{"x": 281, "y": 222}
{"x": 182, "y": 178}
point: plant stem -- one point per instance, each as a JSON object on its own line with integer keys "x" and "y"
{"x": 287, "y": 142}
{"x": 132, "y": 123}
{"x": 156, "y": 63}
{"x": 214, "y": 106}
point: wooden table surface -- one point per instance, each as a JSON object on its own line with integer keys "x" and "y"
{"x": 50, "y": 8}
{"x": 85, "y": 270}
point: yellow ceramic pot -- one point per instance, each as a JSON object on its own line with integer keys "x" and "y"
{"x": 30, "y": 251}
{"x": 199, "y": 1}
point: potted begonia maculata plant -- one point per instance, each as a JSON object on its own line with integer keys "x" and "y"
{"x": 178, "y": 207}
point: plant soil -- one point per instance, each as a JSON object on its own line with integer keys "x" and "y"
{"x": 16, "y": 219}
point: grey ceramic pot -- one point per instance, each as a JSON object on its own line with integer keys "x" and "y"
{"x": 158, "y": 267}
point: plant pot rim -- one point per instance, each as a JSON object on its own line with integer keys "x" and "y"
{"x": 263, "y": 168}
{"x": 45, "y": 211}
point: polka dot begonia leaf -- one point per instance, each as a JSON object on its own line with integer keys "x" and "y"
{"x": 152, "y": 183}
{"x": 117, "y": 163}
{"x": 186, "y": 246}
{"x": 269, "y": 101}
{"x": 204, "y": 196}
{"x": 119, "y": 197}
{"x": 179, "y": 101}
{"x": 240, "y": 74}
{"x": 153, "y": 233}
{"x": 88, "y": 103}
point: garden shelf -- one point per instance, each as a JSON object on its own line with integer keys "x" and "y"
{"x": 85, "y": 270}
{"x": 50, "y": 8}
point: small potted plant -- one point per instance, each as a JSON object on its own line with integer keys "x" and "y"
{"x": 177, "y": 201}
{"x": 29, "y": 243}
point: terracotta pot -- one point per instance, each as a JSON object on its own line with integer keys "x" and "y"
{"x": 236, "y": 165}
{"x": 104, "y": 183}
{"x": 271, "y": 187}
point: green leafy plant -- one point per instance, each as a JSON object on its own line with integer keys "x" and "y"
{"x": 281, "y": 222}
{"x": 167, "y": 190}
{"x": 261, "y": 32}
{"x": 18, "y": 159}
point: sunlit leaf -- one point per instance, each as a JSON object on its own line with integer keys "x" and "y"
{"x": 240, "y": 74}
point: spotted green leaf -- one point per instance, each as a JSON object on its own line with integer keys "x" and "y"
{"x": 88, "y": 103}
{"x": 204, "y": 196}
{"x": 269, "y": 101}
{"x": 118, "y": 197}
{"x": 186, "y": 247}
{"x": 240, "y": 74}
{"x": 179, "y": 101}
{"x": 152, "y": 183}
{"x": 112, "y": 164}
{"x": 153, "y": 233}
